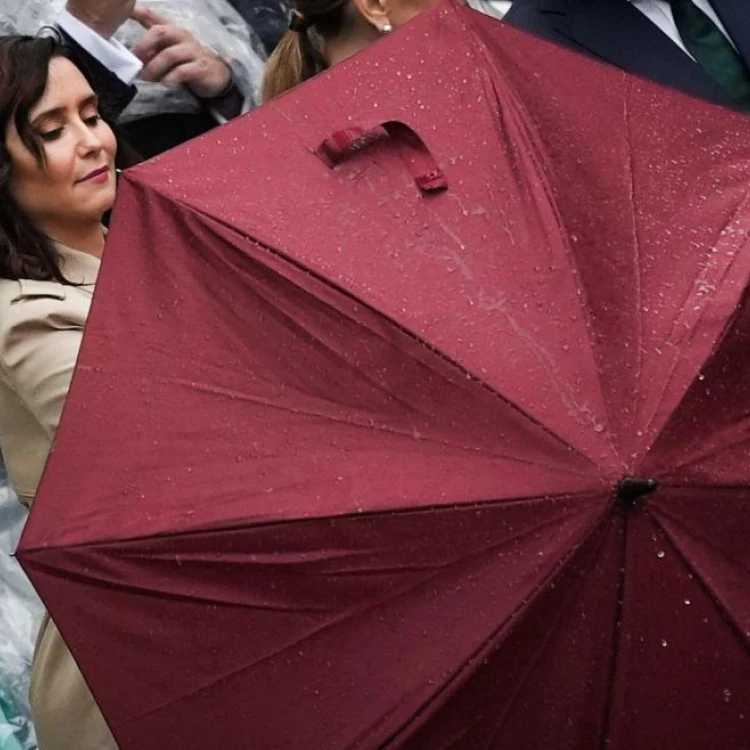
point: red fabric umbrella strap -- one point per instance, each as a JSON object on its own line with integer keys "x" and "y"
{"x": 417, "y": 157}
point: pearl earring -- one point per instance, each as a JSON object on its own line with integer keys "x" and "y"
{"x": 387, "y": 28}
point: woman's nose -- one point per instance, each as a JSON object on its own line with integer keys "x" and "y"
{"x": 88, "y": 140}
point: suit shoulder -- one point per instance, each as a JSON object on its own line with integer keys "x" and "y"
{"x": 535, "y": 15}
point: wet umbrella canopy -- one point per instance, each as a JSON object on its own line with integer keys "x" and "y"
{"x": 430, "y": 438}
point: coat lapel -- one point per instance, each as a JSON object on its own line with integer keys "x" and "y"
{"x": 735, "y": 15}
{"x": 615, "y": 31}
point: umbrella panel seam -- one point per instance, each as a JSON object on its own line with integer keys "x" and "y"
{"x": 335, "y": 287}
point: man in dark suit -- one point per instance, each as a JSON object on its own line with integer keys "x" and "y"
{"x": 701, "y": 47}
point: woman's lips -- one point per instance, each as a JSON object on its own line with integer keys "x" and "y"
{"x": 97, "y": 176}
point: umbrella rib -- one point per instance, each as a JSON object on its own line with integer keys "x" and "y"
{"x": 479, "y": 504}
{"x": 360, "y": 373}
{"x": 678, "y": 357}
{"x": 490, "y": 643}
{"x": 712, "y": 594}
{"x": 735, "y": 441}
{"x": 507, "y": 628}
{"x": 673, "y": 339}
{"x": 609, "y": 708}
{"x": 638, "y": 271}
{"x": 392, "y": 596}
{"x": 540, "y": 353}
{"x": 712, "y": 486}
{"x": 399, "y": 326}
{"x": 425, "y": 437}
{"x": 550, "y": 205}
{"x": 526, "y": 675}
{"x": 241, "y": 525}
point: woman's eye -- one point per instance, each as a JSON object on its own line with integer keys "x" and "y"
{"x": 51, "y": 135}
{"x": 93, "y": 120}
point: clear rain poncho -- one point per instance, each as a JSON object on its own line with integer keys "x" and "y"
{"x": 214, "y": 23}
{"x": 20, "y": 615}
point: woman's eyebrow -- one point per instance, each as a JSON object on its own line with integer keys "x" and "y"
{"x": 48, "y": 114}
{"x": 90, "y": 100}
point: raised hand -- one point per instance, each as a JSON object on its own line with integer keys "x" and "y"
{"x": 171, "y": 55}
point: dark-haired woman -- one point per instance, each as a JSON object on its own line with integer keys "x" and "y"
{"x": 325, "y": 32}
{"x": 57, "y": 179}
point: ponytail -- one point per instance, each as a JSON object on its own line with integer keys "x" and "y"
{"x": 298, "y": 56}
{"x": 294, "y": 60}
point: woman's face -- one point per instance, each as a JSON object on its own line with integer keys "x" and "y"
{"x": 77, "y": 183}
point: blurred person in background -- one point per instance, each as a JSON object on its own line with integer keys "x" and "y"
{"x": 701, "y": 47}
{"x": 324, "y": 32}
{"x": 168, "y": 70}
{"x": 269, "y": 19}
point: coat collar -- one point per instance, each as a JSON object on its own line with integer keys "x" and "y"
{"x": 615, "y": 31}
{"x": 77, "y": 267}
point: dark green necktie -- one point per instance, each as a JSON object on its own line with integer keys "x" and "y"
{"x": 712, "y": 50}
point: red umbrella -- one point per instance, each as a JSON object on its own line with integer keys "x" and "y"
{"x": 360, "y": 447}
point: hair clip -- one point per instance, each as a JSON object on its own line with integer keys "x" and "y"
{"x": 299, "y": 22}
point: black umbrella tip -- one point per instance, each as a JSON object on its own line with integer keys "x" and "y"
{"x": 632, "y": 489}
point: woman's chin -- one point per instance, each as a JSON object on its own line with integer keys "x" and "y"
{"x": 94, "y": 212}
{"x": 102, "y": 205}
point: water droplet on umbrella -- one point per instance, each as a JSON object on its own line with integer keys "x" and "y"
{"x": 663, "y": 643}
{"x": 660, "y": 554}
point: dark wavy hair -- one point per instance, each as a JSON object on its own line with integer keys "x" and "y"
{"x": 25, "y": 251}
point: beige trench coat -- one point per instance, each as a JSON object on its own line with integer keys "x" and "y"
{"x": 41, "y": 327}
